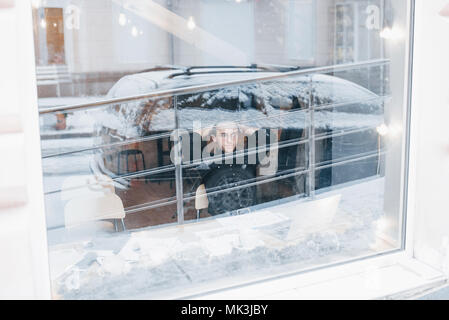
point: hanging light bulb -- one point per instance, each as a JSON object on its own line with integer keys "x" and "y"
{"x": 43, "y": 24}
{"x": 191, "y": 23}
{"x": 383, "y": 130}
{"x": 390, "y": 33}
{"x": 122, "y": 19}
{"x": 134, "y": 31}
{"x": 35, "y": 3}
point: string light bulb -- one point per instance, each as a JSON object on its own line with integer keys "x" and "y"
{"x": 35, "y": 3}
{"x": 390, "y": 33}
{"x": 191, "y": 23}
{"x": 134, "y": 31}
{"x": 122, "y": 19}
{"x": 383, "y": 130}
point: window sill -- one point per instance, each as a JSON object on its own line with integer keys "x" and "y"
{"x": 393, "y": 276}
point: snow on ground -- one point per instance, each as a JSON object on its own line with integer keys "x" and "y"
{"x": 66, "y": 101}
{"x": 224, "y": 250}
{"x": 78, "y": 122}
{"x": 56, "y": 146}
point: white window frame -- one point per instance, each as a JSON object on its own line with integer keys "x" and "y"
{"x": 324, "y": 282}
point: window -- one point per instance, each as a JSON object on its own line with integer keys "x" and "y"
{"x": 49, "y": 36}
{"x": 301, "y": 31}
{"x": 181, "y": 150}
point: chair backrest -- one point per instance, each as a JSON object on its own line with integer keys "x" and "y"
{"x": 86, "y": 186}
{"x": 201, "y": 201}
{"x": 83, "y": 210}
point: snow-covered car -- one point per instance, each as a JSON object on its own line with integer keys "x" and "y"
{"x": 269, "y": 118}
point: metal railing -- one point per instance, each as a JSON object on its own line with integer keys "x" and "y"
{"x": 218, "y": 85}
{"x": 180, "y": 197}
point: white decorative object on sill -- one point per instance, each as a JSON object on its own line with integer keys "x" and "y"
{"x": 10, "y": 124}
{"x": 445, "y": 11}
{"x": 12, "y": 197}
{"x": 6, "y": 4}
{"x": 12, "y": 171}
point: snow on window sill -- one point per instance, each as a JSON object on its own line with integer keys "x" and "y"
{"x": 393, "y": 276}
{"x": 255, "y": 246}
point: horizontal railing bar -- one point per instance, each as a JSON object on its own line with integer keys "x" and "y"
{"x": 257, "y": 180}
{"x": 159, "y": 203}
{"x": 165, "y": 202}
{"x": 246, "y": 152}
{"x": 342, "y": 104}
{"x": 276, "y": 178}
{"x": 151, "y": 205}
{"x": 276, "y": 146}
{"x": 340, "y": 163}
{"x": 110, "y": 145}
{"x": 342, "y": 132}
{"x": 161, "y": 136}
{"x": 166, "y": 135}
{"x": 139, "y": 174}
{"x": 193, "y": 89}
{"x": 360, "y": 156}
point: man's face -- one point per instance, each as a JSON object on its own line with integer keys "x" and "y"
{"x": 227, "y": 137}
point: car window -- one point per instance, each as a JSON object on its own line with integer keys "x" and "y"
{"x": 285, "y": 95}
{"x": 226, "y": 98}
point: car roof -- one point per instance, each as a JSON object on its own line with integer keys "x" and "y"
{"x": 146, "y": 82}
{"x": 329, "y": 88}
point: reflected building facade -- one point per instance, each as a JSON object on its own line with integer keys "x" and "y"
{"x": 101, "y": 41}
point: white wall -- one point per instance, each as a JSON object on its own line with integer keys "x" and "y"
{"x": 23, "y": 245}
{"x": 429, "y": 186}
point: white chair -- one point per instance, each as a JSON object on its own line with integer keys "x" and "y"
{"x": 82, "y": 210}
{"x": 201, "y": 201}
{"x": 91, "y": 198}
{"x": 86, "y": 186}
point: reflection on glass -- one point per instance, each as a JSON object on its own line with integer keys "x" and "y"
{"x": 195, "y": 141}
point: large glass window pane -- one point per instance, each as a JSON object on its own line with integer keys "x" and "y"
{"x": 197, "y": 144}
